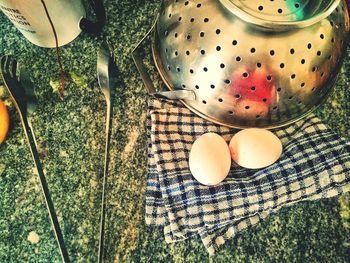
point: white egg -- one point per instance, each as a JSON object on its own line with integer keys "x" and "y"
{"x": 210, "y": 159}
{"x": 255, "y": 148}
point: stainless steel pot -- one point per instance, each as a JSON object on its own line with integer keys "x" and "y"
{"x": 249, "y": 63}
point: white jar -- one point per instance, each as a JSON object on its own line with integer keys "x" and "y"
{"x": 32, "y": 21}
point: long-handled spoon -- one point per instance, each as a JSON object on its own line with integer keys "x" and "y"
{"x": 104, "y": 66}
{"x": 25, "y": 107}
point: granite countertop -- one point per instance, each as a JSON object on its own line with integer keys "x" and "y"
{"x": 70, "y": 137}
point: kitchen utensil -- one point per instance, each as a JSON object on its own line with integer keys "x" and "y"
{"x": 105, "y": 67}
{"x": 33, "y": 19}
{"x": 249, "y": 63}
{"x": 25, "y": 108}
{"x": 174, "y": 94}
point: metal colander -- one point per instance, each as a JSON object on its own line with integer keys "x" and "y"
{"x": 250, "y": 63}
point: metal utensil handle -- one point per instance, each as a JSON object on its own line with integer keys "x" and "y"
{"x": 105, "y": 174}
{"x": 45, "y": 189}
{"x": 182, "y": 94}
{"x": 139, "y": 63}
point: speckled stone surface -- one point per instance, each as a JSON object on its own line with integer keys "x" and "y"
{"x": 70, "y": 136}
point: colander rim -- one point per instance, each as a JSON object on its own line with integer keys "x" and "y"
{"x": 277, "y": 25}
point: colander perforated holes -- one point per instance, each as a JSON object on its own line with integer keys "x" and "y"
{"x": 176, "y": 35}
{"x": 186, "y": 2}
{"x": 204, "y": 101}
{"x": 332, "y": 40}
{"x": 260, "y": 8}
{"x": 183, "y": 85}
{"x": 169, "y": 15}
{"x": 276, "y": 71}
{"x": 264, "y": 99}
{"x": 230, "y": 112}
{"x": 176, "y": 53}
{"x": 169, "y": 68}
{"x": 247, "y": 107}
{"x": 319, "y": 53}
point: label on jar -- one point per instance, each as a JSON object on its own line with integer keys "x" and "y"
{"x": 18, "y": 19}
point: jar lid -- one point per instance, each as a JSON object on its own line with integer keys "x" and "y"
{"x": 281, "y": 14}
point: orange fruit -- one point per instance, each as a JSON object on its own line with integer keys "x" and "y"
{"x": 4, "y": 121}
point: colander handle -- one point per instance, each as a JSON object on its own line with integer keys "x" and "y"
{"x": 181, "y": 94}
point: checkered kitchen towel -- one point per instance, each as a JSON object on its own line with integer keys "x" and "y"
{"x": 315, "y": 164}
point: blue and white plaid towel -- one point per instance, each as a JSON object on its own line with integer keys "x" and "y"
{"x": 315, "y": 164}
